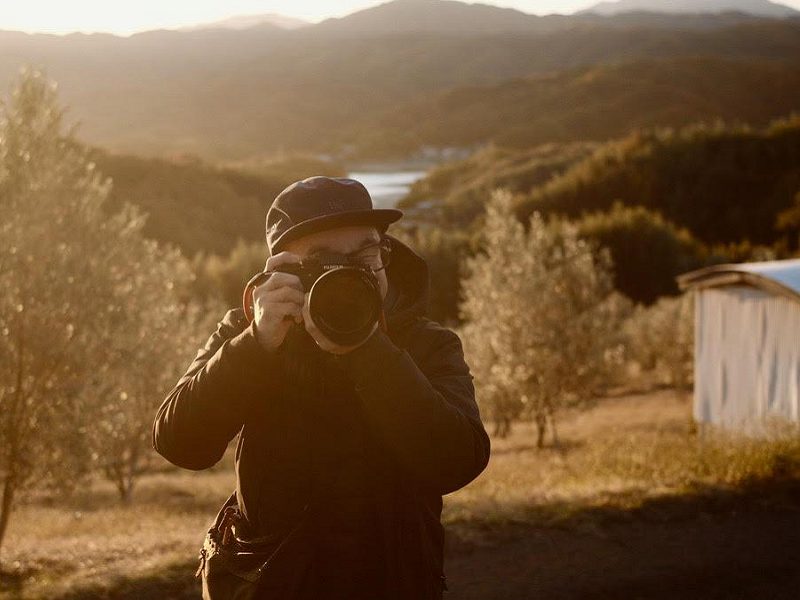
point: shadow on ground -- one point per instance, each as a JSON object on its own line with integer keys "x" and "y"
{"x": 174, "y": 582}
{"x": 711, "y": 544}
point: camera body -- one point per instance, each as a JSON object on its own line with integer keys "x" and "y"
{"x": 344, "y": 299}
{"x": 310, "y": 270}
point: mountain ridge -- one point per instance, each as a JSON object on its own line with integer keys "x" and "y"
{"x": 763, "y": 8}
{"x": 225, "y": 94}
{"x": 239, "y": 22}
{"x": 459, "y": 18}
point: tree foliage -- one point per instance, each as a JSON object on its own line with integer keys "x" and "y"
{"x": 222, "y": 278}
{"x": 454, "y": 193}
{"x": 83, "y": 292}
{"x": 724, "y": 184}
{"x": 661, "y": 339}
{"x": 444, "y": 251}
{"x": 542, "y": 319}
{"x": 648, "y": 252}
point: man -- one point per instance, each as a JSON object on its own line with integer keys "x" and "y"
{"x": 366, "y": 437}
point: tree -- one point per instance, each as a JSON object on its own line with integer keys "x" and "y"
{"x": 153, "y": 332}
{"x": 223, "y": 278}
{"x": 789, "y": 221}
{"x": 661, "y": 339}
{"x": 542, "y": 318}
{"x": 648, "y": 251}
{"x": 723, "y": 183}
{"x": 69, "y": 275}
{"x": 443, "y": 251}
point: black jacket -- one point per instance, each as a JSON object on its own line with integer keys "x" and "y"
{"x": 395, "y": 428}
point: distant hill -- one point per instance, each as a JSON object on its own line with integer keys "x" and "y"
{"x": 763, "y": 8}
{"x": 725, "y": 184}
{"x": 664, "y": 202}
{"x": 247, "y": 21}
{"x": 458, "y": 18}
{"x": 228, "y": 94}
{"x": 200, "y": 207}
{"x": 596, "y": 103}
{"x": 453, "y": 194}
{"x": 430, "y": 16}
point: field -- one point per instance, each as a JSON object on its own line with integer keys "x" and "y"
{"x": 631, "y": 505}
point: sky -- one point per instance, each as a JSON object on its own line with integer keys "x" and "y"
{"x": 124, "y": 17}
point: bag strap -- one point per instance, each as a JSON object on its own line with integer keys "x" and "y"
{"x": 223, "y": 511}
{"x": 232, "y": 502}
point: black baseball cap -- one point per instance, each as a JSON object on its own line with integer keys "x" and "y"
{"x": 320, "y": 203}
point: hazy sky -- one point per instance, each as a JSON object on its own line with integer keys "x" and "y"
{"x": 125, "y": 17}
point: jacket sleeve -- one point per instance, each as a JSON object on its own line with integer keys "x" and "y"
{"x": 426, "y": 414}
{"x": 207, "y": 406}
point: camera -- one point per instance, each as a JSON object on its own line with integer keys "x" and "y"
{"x": 344, "y": 298}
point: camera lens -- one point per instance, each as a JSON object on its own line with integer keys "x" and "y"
{"x": 345, "y": 304}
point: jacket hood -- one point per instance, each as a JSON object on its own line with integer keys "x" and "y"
{"x": 409, "y": 286}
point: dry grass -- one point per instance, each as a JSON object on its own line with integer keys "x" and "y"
{"x": 615, "y": 458}
{"x": 91, "y": 540}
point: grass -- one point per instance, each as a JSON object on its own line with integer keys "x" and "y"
{"x": 91, "y": 540}
{"x": 617, "y": 457}
{"x": 628, "y": 458}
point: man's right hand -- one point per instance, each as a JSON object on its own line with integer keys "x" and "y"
{"x": 278, "y": 302}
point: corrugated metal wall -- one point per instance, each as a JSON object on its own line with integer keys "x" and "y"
{"x": 747, "y": 358}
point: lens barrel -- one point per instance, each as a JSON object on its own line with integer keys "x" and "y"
{"x": 345, "y": 303}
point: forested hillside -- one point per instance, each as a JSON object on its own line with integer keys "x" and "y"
{"x": 595, "y": 103}
{"x": 662, "y": 201}
{"x": 725, "y": 184}
{"x": 326, "y": 88}
{"x": 198, "y": 206}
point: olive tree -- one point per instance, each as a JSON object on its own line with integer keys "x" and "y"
{"x": 542, "y": 319}
{"x": 79, "y": 285}
{"x": 152, "y": 333}
{"x": 661, "y": 340}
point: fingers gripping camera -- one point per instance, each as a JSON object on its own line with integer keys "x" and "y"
{"x": 344, "y": 299}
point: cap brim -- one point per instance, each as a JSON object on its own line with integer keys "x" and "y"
{"x": 378, "y": 217}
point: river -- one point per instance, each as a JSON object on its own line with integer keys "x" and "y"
{"x": 387, "y": 187}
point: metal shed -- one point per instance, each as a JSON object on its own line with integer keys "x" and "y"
{"x": 747, "y": 344}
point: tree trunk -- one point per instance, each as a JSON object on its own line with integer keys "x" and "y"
{"x": 15, "y": 425}
{"x": 502, "y": 427}
{"x": 126, "y": 491}
{"x": 541, "y": 430}
{"x": 7, "y": 504}
{"x": 128, "y": 481}
{"x": 554, "y": 432}
{"x": 120, "y": 482}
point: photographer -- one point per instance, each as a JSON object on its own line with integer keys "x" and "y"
{"x": 345, "y": 445}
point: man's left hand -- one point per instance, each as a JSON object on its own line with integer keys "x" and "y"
{"x": 323, "y": 342}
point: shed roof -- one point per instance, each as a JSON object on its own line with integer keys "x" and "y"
{"x": 777, "y": 276}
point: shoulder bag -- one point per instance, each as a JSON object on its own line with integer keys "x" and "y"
{"x": 234, "y": 568}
